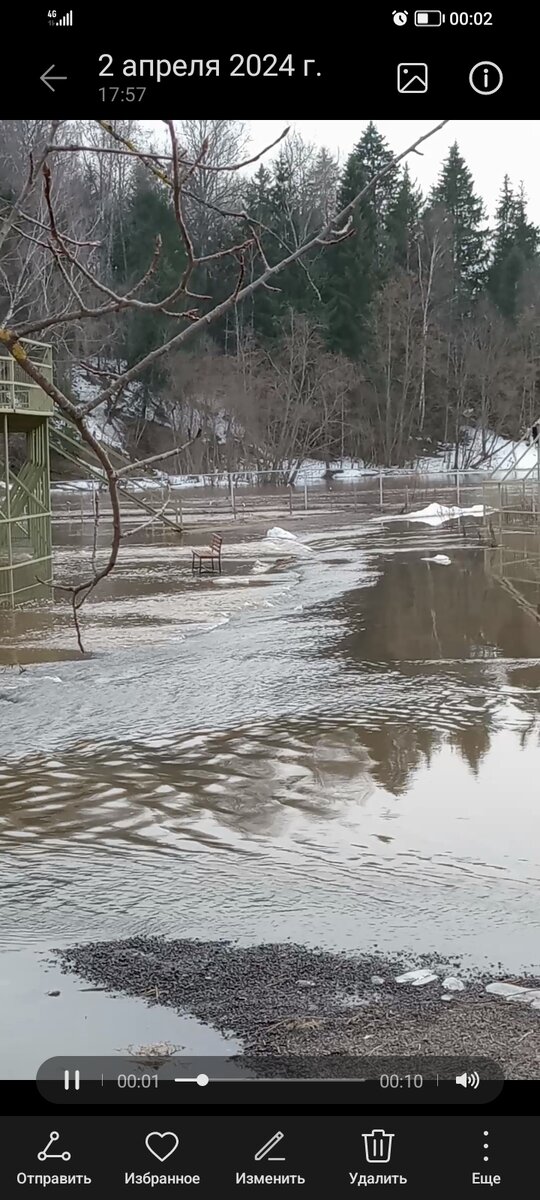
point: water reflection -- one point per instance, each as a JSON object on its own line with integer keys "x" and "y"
{"x": 419, "y": 610}
{"x": 329, "y": 770}
{"x": 327, "y": 833}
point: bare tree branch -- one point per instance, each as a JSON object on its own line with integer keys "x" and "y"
{"x": 66, "y": 254}
{"x": 155, "y": 458}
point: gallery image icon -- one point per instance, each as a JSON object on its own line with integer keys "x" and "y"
{"x": 43, "y": 1154}
{"x": 412, "y": 78}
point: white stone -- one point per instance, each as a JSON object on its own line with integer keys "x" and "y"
{"x": 377, "y": 979}
{"x": 417, "y": 978}
{"x": 452, "y": 984}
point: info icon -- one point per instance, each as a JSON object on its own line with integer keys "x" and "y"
{"x": 485, "y": 78}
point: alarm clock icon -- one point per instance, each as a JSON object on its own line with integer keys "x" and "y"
{"x": 400, "y": 18}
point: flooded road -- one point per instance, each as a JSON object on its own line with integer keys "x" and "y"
{"x": 341, "y": 750}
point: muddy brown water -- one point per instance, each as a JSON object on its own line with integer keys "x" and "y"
{"x": 342, "y": 751}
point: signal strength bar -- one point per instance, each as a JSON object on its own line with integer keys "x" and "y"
{"x": 67, "y": 19}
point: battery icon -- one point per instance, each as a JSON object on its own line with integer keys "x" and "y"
{"x": 427, "y": 17}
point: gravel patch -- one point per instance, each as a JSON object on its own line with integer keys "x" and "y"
{"x": 288, "y": 999}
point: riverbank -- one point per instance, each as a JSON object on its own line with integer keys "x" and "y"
{"x": 281, "y": 999}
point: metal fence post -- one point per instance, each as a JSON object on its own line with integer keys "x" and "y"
{"x": 305, "y": 495}
{"x": 381, "y": 497}
{"x": 458, "y": 494}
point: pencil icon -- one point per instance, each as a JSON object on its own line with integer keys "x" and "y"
{"x": 268, "y": 1146}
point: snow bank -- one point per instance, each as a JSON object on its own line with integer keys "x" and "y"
{"x": 485, "y": 454}
{"x": 438, "y": 514}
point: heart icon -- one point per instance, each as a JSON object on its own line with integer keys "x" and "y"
{"x": 157, "y": 1144}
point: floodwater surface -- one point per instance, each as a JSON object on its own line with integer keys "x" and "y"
{"x": 341, "y": 750}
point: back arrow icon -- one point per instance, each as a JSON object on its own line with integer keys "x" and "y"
{"x": 46, "y": 78}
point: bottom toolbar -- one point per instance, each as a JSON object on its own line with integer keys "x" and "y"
{"x": 222, "y": 1156}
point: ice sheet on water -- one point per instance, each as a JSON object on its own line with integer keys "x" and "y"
{"x": 260, "y": 568}
{"x": 442, "y": 559}
{"x": 438, "y": 514}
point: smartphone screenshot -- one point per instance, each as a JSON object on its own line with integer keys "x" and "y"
{"x": 269, "y": 603}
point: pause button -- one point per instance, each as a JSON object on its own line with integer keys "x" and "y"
{"x": 76, "y": 1080}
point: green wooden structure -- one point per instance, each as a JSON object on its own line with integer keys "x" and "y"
{"x": 25, "y": 493}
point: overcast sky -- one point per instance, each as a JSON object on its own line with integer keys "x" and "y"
{"x": 490, "y": 148}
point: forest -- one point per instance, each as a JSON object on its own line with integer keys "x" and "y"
{"x": 417, "y": 323}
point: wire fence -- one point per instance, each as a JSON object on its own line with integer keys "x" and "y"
{"x": 252, "y": 497}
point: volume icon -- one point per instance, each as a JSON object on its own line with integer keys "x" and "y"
{"x": 76, "y": 1080}
{"x": 471, "y": 1079}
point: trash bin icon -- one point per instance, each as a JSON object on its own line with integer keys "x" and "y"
{"x": 378, "y": 1146}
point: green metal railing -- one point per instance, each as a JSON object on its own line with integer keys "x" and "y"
{"x": 25, "y": 494}
{"x": 19, "y": 393}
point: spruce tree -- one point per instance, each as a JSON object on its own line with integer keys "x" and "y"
{"x": 357, "y": 268}
{"x": 514, "y": 248}
{"x": 149, "y": 214}
{"x": 404, "y": 220}
{"x": 454, "y": 193}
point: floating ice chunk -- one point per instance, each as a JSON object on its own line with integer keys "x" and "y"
{"x": 231, "y": 580}
{"x": 278, "y": 532}
{"x": 282, "y": 538}
{"x": 417, "y": 978}
{"x": 442, "y": 559}
{"x": 260, "y": 568}
{"x": 452, "y": 984}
